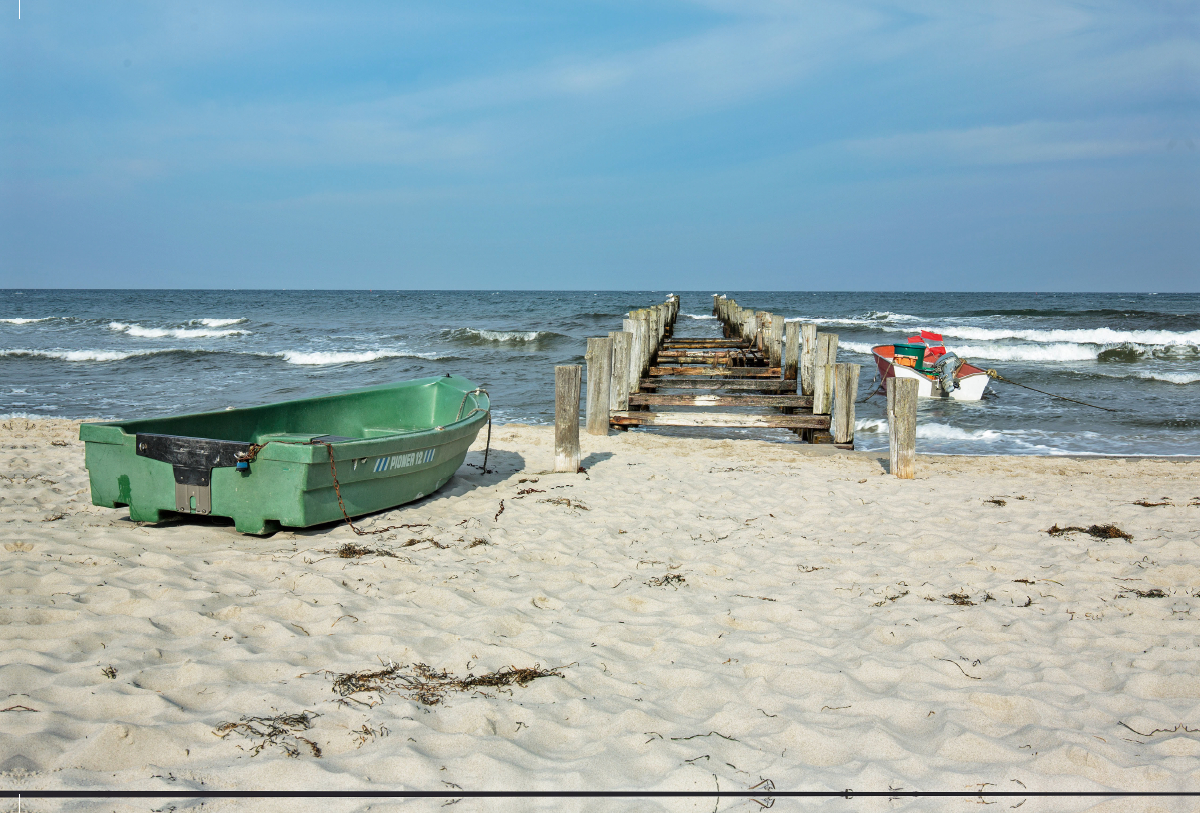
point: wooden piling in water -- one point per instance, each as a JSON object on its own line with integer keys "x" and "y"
{"x": 808, "y": 356}
{"x": 791, "y": 350}
{"x": 776, "y": 339}
{"x": 566, "y": 417}
{"x": 599, "y": 379}
{"x": 823, "y": 372}
{"x": 902, "y": 426}
{"x": 845, "y": 391}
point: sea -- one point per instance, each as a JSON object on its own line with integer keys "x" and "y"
{"x": 107, "y": 354}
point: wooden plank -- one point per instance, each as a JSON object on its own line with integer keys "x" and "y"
{"x": 599, "y": 381}
{"x": 723, "y": 383}
{"x": 732, "y": 372}
{"x": 566, "y": 417}
{"x": 730, "y": 419}
{"x": 705, "y": 344}
{"x": 733, "y": 400}
{"x": 902, "y": 426}
{"x": 845, "y": 390}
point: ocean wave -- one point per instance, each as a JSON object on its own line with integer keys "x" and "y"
{"x": 1100, "y": 336}
{"x": 172, "y": 333}
{"x": 217, "y": 322}
{"x": 477, "y": 335}
{"x": 871, "y": 318}
{"x": 321, "y": 357}
{"x": 699, "y": 316}
{"x": 1143, "y": 375}
{"x": 1001, "y": 352}
{"x": 82, "y": 355}
{"x": 933, "y": 431}
{"x": 22, "y": 321}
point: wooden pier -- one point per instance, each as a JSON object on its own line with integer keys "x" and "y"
{"x": 762, "y": 373}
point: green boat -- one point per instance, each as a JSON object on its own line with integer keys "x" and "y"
{"x": 292, "y": 464}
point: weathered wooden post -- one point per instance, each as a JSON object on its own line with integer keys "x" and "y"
{"x": 599, "y": 382}
{"x": 716, "y": 304}
{"x": 808, "y": 356}
{"x": 618, "y": 398}
{"x": 845, "y": 390}
{"x": 823, "y": 372}
{"x": 566, "y": 417}
{"x": 630, "y": 326}
{"x": 902, "y": 426}
{"x": 791, "y": 350}
{"x": 776, "y": 342}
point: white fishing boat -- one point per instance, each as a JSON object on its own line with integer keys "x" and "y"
{"x": 938, "y": 372}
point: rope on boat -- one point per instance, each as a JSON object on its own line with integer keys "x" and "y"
{"x": 998, "y": 377}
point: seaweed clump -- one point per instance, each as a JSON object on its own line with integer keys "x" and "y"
{"x": 1098, "y": 531}
{"x": 279, "y": 731}
{"x": 429, "y": 686}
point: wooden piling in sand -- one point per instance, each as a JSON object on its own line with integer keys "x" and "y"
{"x": 566, "y": 417}
{"x": 618, "y": 395}
{"x": 902, "y": 426}
{"x": 599, "y": 380}
{"x": 845, "y": 391}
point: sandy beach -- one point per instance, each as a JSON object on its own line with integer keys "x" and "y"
{"x": 692, "y": 614}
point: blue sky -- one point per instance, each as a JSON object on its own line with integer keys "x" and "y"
{"x": 761, "y": 144}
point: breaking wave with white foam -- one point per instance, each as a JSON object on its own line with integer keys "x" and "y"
{"x": 218, "y": 322}
{"x": 21, "y": 321}
{"x": 700, "y": 317}
{"x": 81, "y": 355}
{"x": 317, "y": 357}
{"x": 172, "y": 332}
{"x": 1101, "y": 335}
{"x": 1001, "y": 352}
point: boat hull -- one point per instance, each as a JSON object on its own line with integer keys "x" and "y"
{"x": 970, "y": 386}
{"x": 390, "y": 445}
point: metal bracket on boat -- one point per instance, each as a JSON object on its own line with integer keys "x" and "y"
{"x": 193, "y": 460}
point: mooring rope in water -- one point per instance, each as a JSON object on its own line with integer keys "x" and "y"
{"x": 998, "y": 377}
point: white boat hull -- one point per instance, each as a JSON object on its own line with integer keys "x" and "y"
{"x": 970, "y": 387}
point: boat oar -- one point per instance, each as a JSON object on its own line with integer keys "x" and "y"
{"x": 998, "y": 377}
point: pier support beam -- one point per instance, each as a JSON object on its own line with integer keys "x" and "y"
{"x": 566, "y": 417}
{"x": 902, "y": 426}
{"x": 599, "y": 379}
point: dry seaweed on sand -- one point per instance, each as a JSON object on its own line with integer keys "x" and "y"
{"x": 961, "y": 599}
{"x": 352, "y": 550}
{"x": 1098, "y": 531}
{"x": 567, "y": 502}
{"x": 429, "y": 686}
{"x": 1153, "y": 592}
{"x": 1148, "y": 504}
{"x": 669, "y": 580}
{"x": 996, "y": 501}
{"x": 279, "y": 731}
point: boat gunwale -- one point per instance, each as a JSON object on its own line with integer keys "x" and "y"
{"x": 312, "y": 453}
